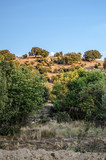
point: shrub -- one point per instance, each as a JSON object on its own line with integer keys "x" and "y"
{"x": 91, "y": 55}
{"x": 72, "y": 68}
{"x": 55, "y": 70}
{"x": 6, "y": 55}
{"x": 39, "y": 52}
{"x": 77, "y": 67}
{"x": 54, "y": 78}
{"x": 71, "y": 58}
{"x": 58, "y": 54}
{"x": 39, "y": 65}
{"x": 63, "y": 117}
{"x": 104, "y": 64}
{"x": 32, "y": 62}
{"x": 99, "y": 64}
{"x": 24, "y": 56}
{"x": 83, "y": 94}
{"x": 96, "y": 66}
{"x": 21, "y": 93}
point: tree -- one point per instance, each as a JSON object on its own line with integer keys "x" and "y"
{"x": 91, "y": 55}
{"x": 24, "y": 56}
{"x": 104, "y": 64}
{"x": 83, "y": 95}
{"x": 39, "y": 52}
{"x": 6, "y": 55}
{"x": 58, "y": 54}
{"x": 21, "y": 93}
{"x": 71, "y": 58}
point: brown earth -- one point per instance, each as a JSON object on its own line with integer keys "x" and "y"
{"x": 41, "y": 154}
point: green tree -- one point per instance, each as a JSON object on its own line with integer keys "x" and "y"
{"x": 71, "y": 58}
{"x": 6, "y": 55}
{"x": 74, "y": 102}
{"x": 58, "y": 54}
{"x": 104, "y": 63}
{"x": 24, "y": 56}
{"x": 39, "y": 52}
{"x": 21, "y": 93}
{"x": 92, "y": 99}
{"x": 91, "y": 55}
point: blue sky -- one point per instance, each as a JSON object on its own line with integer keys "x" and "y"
{"x": 54, "y": 25}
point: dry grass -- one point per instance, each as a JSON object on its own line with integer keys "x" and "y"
{"x": 59, "y": 130}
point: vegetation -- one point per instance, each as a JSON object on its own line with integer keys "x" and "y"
{"x": 68, "y": 58}
{"x": 6, "y": 55}
{"x": 58, "y": 54}
{"x": 91, "y": 55}
{"x": 83, "y": 98}
{"x": 21, "y": 93}
{"x": 71, "y": 58}
{"x": 104, "y": 64}
{"x": 38, "y": 52}
{"x": 77, "y": 94}
{"x": 24, "y": 56}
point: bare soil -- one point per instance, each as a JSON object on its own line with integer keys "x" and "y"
{"x": 41, "y": 154}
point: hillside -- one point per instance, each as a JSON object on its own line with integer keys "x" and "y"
{"x": 32, "y": 61}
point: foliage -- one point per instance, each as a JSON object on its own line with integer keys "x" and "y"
{"x": 92, "y": 55}
{"x": 71, "y": 58}
{"x": 24, "y": 56}
{"x": 39, "y": 52}
{"x": 63, "y": 117}
{"x": 20, "y": 94}
{"x": 6, "y": 55}
{"x": 96, "y": 66}
{"x": 55, "y": 70}
{"x": 83, "y": 96}
{"x": 58, "y": 54}
{"x": 104, "y": 64}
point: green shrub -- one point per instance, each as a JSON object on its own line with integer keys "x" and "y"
{"x": 55, "y": 70}
{"x": 24, "y": 56}
{"x": 6, "y": 55}
{"x": 63, "y": 117}
{"x": 21, "y": 93}
{"x": 96, "y": 66}
{"x": 32, "y": 62}
{"x": 39, "y": 52}
{"x": 71, "y": 58}
{"x": 92, "y": 55}
{"x": 104, "y": 64}
{"x": 83, "y": 94}
{"x": 99, "y": 64}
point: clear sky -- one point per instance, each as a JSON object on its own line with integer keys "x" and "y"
{"x": 54, "y": 25}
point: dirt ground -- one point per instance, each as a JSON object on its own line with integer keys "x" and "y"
{"x": 41, "y": 154}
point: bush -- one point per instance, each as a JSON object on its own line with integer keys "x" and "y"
{"x": 99, "y": 64}
{"x": 6, "y": 55}
{"x": 63, "y": 117}
{"x": 32, "y": 62}
{"x": 71, "y": 58}
{"x": 55, "y": 70}
{"x": 83, "y": 94}
{"x": 91, "y": 55}
{"x": 21, "y": 93}
{"x": 72, "y": 68}
{"x": 54, "y": 78}
{"x": 96, "y": 66}
{"x": 58, "y": 54}
{"x": 24, "y": 56}
{"x": 104, "y": 64}
{"x": 39, "y": 52}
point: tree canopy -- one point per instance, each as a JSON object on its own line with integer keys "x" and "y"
{"x": 92, "y": 55}
{"x": 38, "y": 52}
{"x": 21, "y": 93}
{"x": 6, "y": 55}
